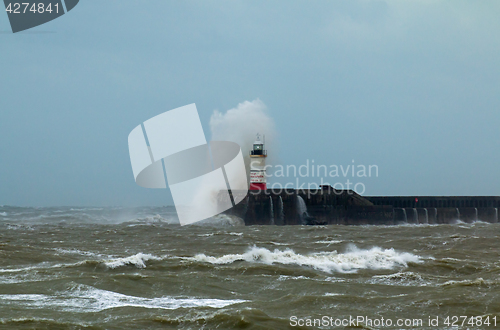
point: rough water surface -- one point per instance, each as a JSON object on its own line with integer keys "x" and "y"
{"x": 118, "y": 268}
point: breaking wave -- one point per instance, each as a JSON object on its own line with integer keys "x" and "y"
{"x": 138, "y": 260}
{"x": 349, "y": 262}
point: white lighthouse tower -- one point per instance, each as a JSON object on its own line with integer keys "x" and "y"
{"x": 258, "y": 165}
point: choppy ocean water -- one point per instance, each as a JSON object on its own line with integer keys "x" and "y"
{"x": 124, "y": 268}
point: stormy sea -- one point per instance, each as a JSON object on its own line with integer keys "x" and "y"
{"x": 136, "y": 268}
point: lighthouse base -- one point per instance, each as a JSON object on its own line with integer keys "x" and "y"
{"x": 257, "y": 186}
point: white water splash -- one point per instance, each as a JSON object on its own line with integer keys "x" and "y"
{"x": 349, "y": 262}
{"x": 241, "y": 124}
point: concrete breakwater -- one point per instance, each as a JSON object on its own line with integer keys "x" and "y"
{"x": 327, "y": 206}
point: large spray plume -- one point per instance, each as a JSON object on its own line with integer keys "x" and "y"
{"x": 241, "y": 125}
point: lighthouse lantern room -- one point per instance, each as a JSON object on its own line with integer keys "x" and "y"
{"x": 258, "y": 165}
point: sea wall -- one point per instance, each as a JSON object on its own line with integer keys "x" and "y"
{"x": 436, "y": 201}
{"x": 327, "y": 206}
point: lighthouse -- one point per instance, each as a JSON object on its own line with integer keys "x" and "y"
{"x": 258, "y": 165}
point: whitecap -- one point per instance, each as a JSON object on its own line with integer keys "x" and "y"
{"x": 400, "y": 278}
{"x": 42, "y": 265}
{"x": 287, "y": 277}
{"x": 480, "y": 222}
{"x": 138, "y": 260}
{"x": 333, "y": 241}
{"x": 349, "y": 262}
{"x": 476, "y": 282}
{"x": 278, "y": 243}
{"x": 76, "y": 251}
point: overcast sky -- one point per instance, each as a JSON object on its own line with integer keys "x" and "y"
{"x": 411, "y": 86}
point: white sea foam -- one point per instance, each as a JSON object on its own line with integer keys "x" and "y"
{"x": 76, "y": 251}
{"x": 476, "y": 282}
{"x": 480, "y": 222}
{"x": 43, "y": 265}
{"x": 401, "y": 279}
{"x": 138, "y": 260}
{"x": 220, "y": 233}
{"x": 151, "y": 220}
{"x": 27, "y": 277}
{"x": 3, "y": 214}
{"x": 335, "y": 280}
{"x": 287, "y": 277}
{"x": 333, "y": 241}
{"x": 28, "y": 320}
{"x": 89, "y": 299}
{"x": 349, "y": 262}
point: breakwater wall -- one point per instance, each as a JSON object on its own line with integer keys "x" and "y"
{"x": 326, "y": 206}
